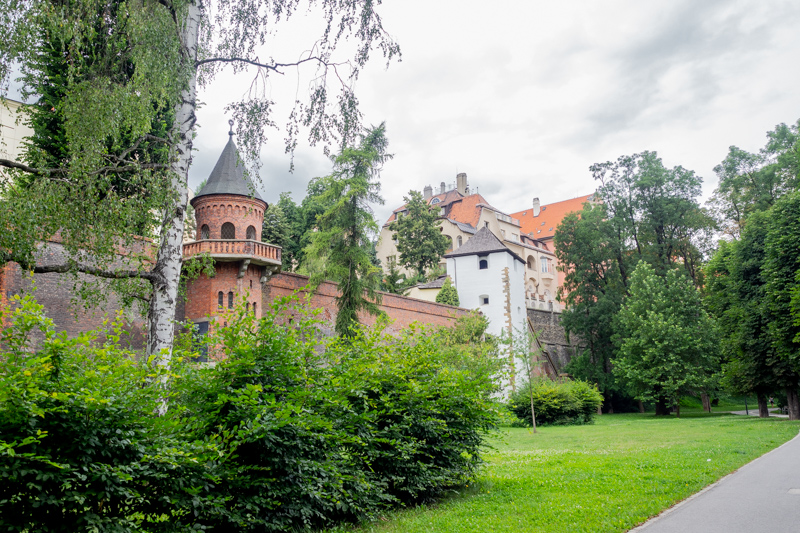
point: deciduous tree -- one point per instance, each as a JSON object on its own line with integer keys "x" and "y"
{"x": 168, "y": 48}
{"x": 665, "y": 339}
{"x": 420, "y": 241}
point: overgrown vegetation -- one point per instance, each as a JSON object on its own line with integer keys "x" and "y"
{"x": 290, "y": 430}
{"x": 558, "y": 403}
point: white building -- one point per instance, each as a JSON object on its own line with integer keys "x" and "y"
{"x": 13, "y": 131}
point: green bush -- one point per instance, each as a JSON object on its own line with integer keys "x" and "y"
{"x": 556, "y": 402}
{"x": 290, "y": 431}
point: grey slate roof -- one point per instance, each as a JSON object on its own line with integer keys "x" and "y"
{"x": 438, "y": 283}
{"x": 228, "y": 176}
{"x": 463, "y": 226}
{"x": 482, "y": 243}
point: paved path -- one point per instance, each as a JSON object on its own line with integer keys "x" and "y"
{"x": 762, "y": 496}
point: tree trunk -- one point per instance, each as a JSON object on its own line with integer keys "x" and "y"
{"x": 678, "y": 409}
{"x": 533, "y": 412}
{"x": 161, "y": 314}
{"x": 793, "y": 403}
{"x": 661, "y": 407}
{"x": 706, "y": 402}
{"x": 763, "y": 406}
{"x": 641, "y": 406}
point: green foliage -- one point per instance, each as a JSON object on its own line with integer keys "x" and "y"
{"x": 780, "y": 270}
{"x": 275, "y": 229}
{"x": 420, "y": 241}
{"x": 80, "y": 448}
{"x": 342, "y": 241}
{"x": 753, "y": 182}
{"x": 666, "y": 343}
{"x": 556, "y": 402}
{"x": 448, "y": 294}
{"x": 289, "y": 431}
{"x": 393, "y": 280}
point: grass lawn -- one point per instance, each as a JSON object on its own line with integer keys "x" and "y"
{"x": 609, "y": 476}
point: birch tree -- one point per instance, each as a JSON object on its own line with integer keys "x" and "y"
{"x": 129, "y": 62}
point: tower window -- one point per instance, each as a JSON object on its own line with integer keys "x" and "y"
{"x": 220, "y": 299}
{"x": 228, "y": 231}
{"x": 251, "y": 233}
{"x": 483, "y": 262}
{"x": 254, "y": 308}
{"x": 230, "y": 300}
{"x": 483, "y": 299}
{"x": 248, "y": 307}
{"x": 204, "y": 232}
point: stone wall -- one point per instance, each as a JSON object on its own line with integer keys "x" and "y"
{"x": 551, "y": 334}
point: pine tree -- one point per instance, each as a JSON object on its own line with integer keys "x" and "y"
{"x": 448, "y": 294}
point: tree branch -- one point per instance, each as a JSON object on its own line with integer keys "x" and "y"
{"x": 273, "y": 66}
{"x": 94, "y": 271}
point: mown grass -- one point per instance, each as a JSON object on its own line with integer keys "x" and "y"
{"x": 609, "y": 476}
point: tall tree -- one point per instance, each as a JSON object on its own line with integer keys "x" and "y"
{"x": 344, "y": 230}
{"x": 735, "y": 296}
{"x": 752, "y": 182}
{"x": 420, "y": 241}
{"x": 782, "y": 274}
{"x": 665, "y": 338}
{"x": 168, "y": 48}
{"x": 593, "y": 291}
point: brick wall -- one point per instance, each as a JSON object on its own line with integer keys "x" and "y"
{"x": 401, "y": 309}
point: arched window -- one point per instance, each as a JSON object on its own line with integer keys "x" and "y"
{"x": 220, "y": 299}
{"x": 248, "y": 307}
{"x": 204, "y": 232}
{"x": 459, "y": 241}
{"x": 254, "y": 308}
{"x": 531, "y": 263}
{"x": 483, "y": 262}
{"x": 251, "y": 233}
{"x": 230, "y": 300}
{"x": 228, "y": 231}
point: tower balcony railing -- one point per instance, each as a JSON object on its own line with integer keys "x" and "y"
{"x": 235, "y": 249}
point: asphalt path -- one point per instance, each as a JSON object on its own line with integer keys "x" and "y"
{"x": 762, "y": 496}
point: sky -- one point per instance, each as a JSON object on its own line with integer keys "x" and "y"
{"x": 524, "y": 96}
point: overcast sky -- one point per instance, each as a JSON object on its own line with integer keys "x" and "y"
{"x": 524, "y": 96}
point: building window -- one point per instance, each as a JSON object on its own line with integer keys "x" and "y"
{"x": 435, "y": 201}
{"x": 254, "y": 308}
{"x": 483, "y": 262}
{"x": 251, "y": 233}
{"x": 204, "y": 232}
{"x": 486, "y": 224}
{"x": 228, "y": 231}
{"x": 531, "y": 263}
{"x": 483, "y": 299}
{"x": 230, "y": 300}
{"x": 545, "y": 265}
{"x": 248, "y": 308}
{"x": 459, "y": 241}
{"x": 220, "y": 300}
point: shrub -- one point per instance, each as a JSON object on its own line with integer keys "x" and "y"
{"x": 448, "y": 294}
{"x": 290, "y": 431}
{"x": 556, "y": 402}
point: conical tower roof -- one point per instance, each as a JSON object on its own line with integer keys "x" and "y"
{"x": 228, "y": 176}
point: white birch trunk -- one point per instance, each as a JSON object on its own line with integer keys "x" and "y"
{"x": 161, "y": 315}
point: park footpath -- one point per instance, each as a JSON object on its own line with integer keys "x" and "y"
{"x": 762, "y": 496}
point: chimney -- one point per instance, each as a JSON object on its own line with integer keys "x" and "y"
{"x": 427, "y": 192}
{"x": 461, "y": 183}
{"x": 536, "y": 208}
{"x": 443, "y": 188}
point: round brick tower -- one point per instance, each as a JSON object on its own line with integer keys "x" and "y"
{"x": 229, "y": 214}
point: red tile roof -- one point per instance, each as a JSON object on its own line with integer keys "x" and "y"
{"x": 550, "y": 216}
